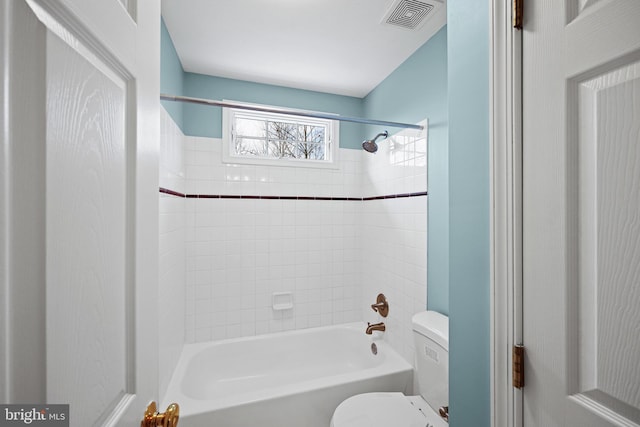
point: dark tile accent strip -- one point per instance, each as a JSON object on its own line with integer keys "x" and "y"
{"x": 328, "y": 198}
{"x": 171, "y": 192}
{"x": 396, "y": 196}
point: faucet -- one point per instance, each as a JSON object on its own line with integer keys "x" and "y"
{"x": 375, "y": 327}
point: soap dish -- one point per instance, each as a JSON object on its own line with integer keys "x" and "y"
{"x": 282, "y": 301}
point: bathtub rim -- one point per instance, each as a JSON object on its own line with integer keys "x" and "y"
{"x": 393, "y": 364}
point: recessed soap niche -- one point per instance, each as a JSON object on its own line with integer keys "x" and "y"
{"x": 282, "y": 301}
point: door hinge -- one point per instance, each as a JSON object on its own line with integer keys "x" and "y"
{"x": 517, "y": 14}
{"x": 517, "y": 364}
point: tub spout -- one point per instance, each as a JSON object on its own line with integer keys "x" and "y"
{"x": 375, "y": 327}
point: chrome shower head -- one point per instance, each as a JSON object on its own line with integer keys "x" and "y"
{"x": 370, "y": 144}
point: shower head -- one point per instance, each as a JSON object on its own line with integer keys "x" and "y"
{"x": 370, "y": 144}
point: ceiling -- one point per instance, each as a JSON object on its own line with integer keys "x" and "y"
{"x": 334, "y": 46}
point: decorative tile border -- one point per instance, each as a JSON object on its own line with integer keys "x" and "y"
{"x": 171, "y": 192}
{"x": 234, "y": 196}
{"x": 396, "y": 196}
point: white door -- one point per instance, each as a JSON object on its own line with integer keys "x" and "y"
{"x": 97, "y": 62}
{"x": 581, "y": 212}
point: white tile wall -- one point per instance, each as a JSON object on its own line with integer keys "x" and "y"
{"x": 171, "y": 295}
{"x": 399, "y": 166}
{"x": 172, "y": 150}
{"x": 241, "y": 251}
{"x": 395, "y": 263}
{"x": 206, "y": 174}
{"x": 334, "y": 256}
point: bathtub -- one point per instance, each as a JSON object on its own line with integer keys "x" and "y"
{"x": 288, "y": 379}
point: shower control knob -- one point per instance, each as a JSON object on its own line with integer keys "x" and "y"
{"x": 381, "y": 306}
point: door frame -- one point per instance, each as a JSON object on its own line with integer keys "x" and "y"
{"x": 506, "y": 211}
{"x": 22, "y": 236}
{"x": 505, "y": 216}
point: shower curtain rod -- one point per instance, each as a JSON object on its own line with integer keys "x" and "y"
{"x": 317, "y": 115}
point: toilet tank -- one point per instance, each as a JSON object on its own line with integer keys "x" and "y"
{"x": 431, "y": 340}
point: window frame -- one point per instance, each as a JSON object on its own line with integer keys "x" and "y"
{"x": 332, "y": 131}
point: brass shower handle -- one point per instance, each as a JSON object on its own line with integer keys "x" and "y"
{"x": 381, "y": 306}
{"x": 169, "y": 418}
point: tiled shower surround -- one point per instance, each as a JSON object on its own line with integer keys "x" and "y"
{"x": 172, "y": 274}
{"x": 327, "y": 236}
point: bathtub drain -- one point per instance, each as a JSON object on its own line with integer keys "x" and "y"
{"x": 374, "y": 348}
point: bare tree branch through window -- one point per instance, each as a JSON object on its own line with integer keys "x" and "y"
{"x": 271, "y": 136}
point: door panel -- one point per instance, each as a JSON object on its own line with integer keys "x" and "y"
{"x": 608, "y": 245}
{"x": 581, "y": 213}
{"x": 618, "y": 234}
{"x": 87, "y": 286}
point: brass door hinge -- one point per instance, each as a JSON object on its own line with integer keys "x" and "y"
{"x": 517, "y": 14}
{"x": 518, "y": 366}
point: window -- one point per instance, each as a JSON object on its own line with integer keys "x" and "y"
{"x": 278, "y": 139}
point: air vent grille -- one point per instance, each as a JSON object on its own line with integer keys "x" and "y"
{"x": 409, "y": 14}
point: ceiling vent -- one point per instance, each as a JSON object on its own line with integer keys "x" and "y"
{"x": 410, "y": 14}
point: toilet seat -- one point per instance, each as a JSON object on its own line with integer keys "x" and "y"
{"x": 384, "y": 410}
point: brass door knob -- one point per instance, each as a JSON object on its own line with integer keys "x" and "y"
{"x": 169, "y": 418}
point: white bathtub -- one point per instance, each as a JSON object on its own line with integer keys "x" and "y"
{"x": 289, "y": 379}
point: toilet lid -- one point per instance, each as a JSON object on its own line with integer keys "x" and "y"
{"x": 384, "y": 410}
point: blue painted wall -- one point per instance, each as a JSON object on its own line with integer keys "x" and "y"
{"x": 171, "y": 76}
{"x": 207, "y": 121}
{"x": 469, "y": 251}
{"x": 416, "y": 90}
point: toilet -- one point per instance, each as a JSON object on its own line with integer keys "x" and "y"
{"x": 431, "y": 340}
